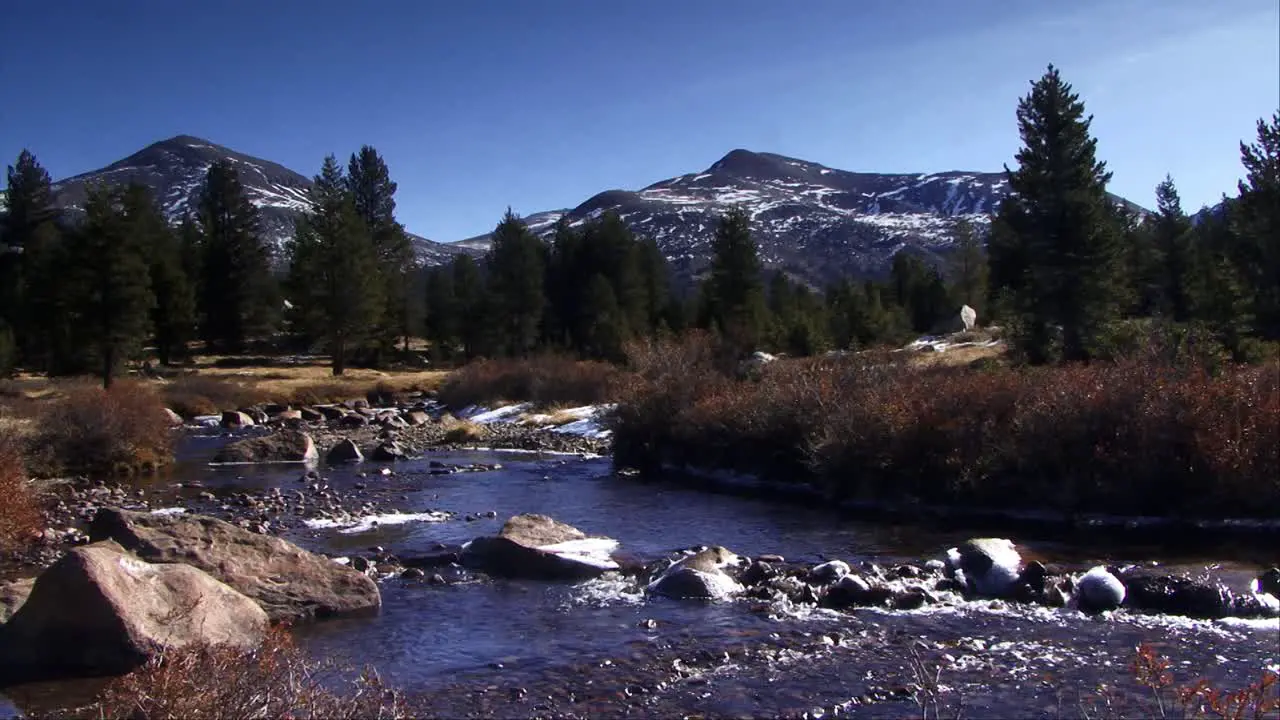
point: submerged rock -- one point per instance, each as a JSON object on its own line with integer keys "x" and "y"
{"x": 100, "y": 611}
{"x": 283, "y": 446}
{"x": 828, "y": 572}
{"x": 287, "y": 581}
{"x": 1176, "y": 595}
{"x": 389, "y": 452}
{"x": 986, "y": 566}
{"x": 1269, "y": 583}
{"x": 540, "y": 548}
{"x": 699, "y": 576}
{"x": 1099, "y": 591}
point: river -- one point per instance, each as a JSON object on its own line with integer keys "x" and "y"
{"x": 502, "y": 648}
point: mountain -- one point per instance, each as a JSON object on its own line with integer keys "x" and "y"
{"x": 175, "y": 169}
{"x": 815, "y": 222}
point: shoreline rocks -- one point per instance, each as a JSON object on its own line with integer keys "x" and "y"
{"x": 279, "y": 446}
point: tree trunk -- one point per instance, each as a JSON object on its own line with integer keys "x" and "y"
{"x": 339, "y": 357}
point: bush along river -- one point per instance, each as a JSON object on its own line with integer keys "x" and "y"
{"x": 514, "y": 584}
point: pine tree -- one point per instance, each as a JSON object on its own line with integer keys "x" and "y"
{"x": 373, "y": 194}
{"x": 110, "y": 295}
{"x": 515, "y": 265}
{"x": 29, "y": 232}
{"x": 655, "y": 279}
{"x": 475, "y": 314}
{"x": 602, "y": 320}
{"x": 236, "y": 292}
{"x": 968, "y": 268}
{"x": 562, "y": 323}
{"x": 173, "y": 312}
{"x": 1056, "y": 247}
{"x": 1218, "y": 288}
{"x": 734, "y": 294}
{"x": 443, "y": 319}
{"x": 333, "y": 270}
{"x": 1171, "y": 235}
{"x": 1257, "y": 224}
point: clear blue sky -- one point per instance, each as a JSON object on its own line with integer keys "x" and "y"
{"x": 539, "y": 104}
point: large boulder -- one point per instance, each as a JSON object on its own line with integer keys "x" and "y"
{"x": 1099, "y": 591}
{"x": 102, "y": 611}
{"x": 986, "y": 566}
{"x": 282, "y": 446}
{"x": 389, "y": 452}
{"x": 287, "y": 581}
{"x": 540, "y": 548}
{"x": 700, "y": 576}
{"x": 344, "y": 451}
{"x": 12, "y": 596}
{"x": 1195, "y": 598}
{"x": 414, "y": 418}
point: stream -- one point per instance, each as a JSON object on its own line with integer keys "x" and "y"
{"x": 505, "y": 648}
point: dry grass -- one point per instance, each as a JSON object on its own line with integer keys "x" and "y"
{"x": 1137, "y": 436}
{"x": 276, "y": 680}
{"x": 89, "y": 430}
{"x": 546, "y": 380}
{"x": 463, "y": 432}
{"x": 20, "y": 516}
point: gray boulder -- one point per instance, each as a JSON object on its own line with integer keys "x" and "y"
{"x": 700, "y": 576}
{"x": 287, "y": 581}
{"x": 174, "y": 418}
{"x": 344, "y": 451}
{"x": 414, "y": 418}
{"x": 828, "y": 572}
{"x": 283, "y": 446}
{"x": 540, "y": 548}
{"x": 986, "y": 566}
{"x": 1099, "y": 591}
{"x": 232, "y": 419}
{"x": 101, "y": 611}
{"x": 389, "y": 452}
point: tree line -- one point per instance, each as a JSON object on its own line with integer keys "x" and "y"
{"x": 1060, "y": 264}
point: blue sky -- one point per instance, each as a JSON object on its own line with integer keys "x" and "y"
{"x": 539, "y": 104}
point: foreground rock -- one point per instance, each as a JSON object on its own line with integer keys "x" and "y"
{"x": 101, "y": 611}
{"x": 540, "y": 548}
{"x": 700, "y": 576}
{"x": 282, "y": 446}
{"x": 287, "y": 581}
{"x": 1099, "y": 591}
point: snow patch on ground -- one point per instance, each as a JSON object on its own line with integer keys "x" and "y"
{"x": 354, "y": 525}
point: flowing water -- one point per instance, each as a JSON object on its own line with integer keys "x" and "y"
{"x": 589, "y": 645}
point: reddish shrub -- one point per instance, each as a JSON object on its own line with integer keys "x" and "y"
{"x": 19, "y": 511}
{"x": 544, "y": 380}
{"x": 88, "y": 430}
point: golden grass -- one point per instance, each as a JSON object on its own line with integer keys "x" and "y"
{"x": 956, "y": 357}
{"x": 465, "y": 432}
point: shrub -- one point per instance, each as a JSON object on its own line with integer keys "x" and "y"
{"x": 543, "y": 380}
{"x": 19, "y": 513}
{"x": 464, "y": 432}
{"x": 1141, "y": 435}
{"x": 88, "y": 430}
{"x": 276, "y": 680}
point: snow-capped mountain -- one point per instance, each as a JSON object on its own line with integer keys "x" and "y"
{"x": 175, "y": 169}
{"x": 814, "y": 222}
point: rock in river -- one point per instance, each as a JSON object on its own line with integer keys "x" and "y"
{"x": 1099, "y": 591}
{"x": 100, "y": 610}
{"x": 344, "y": 451}
{"x": 540, "y": 548}
{"x": 699, "y": 576}
{"x": 282, "y": 446}
{"x": 986, "y": 566}
{"x": 287, "y": 581}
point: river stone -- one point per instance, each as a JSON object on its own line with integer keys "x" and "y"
{"x": 541, "y": 548}
{"x": 414, "y": 418}
{"x": 828, "y": 572}
{"x": 282, "y": 446}
{"x": 854, "y": 591}
{"x": 344, "y": 451}
{"x": 700, "y": 576}
{"x": 232, "y": 419}
{"x": 332, "y": 412}
{"x": 1177, "y": 595}
{"x": 287, "y": 581}
{"x": 389, "y": 452}
{"x": 174, "y": 418}
{"x": 353, "y": 420}
{"x": 286, "y": 416}
{"x": 1099, "y": 591}
{"x": 310, "y": 415}
{"x": 101, "y": 611}
{"x": 1269, "y": 583}
{"x": 12, "y": 596}
{"x": 986, "y": 566}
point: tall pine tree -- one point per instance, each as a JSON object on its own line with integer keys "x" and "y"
{"x": 515, "y": 263}
{"x": 373, "y": 193}
{"x": 236, "y": 290}
{"x": 968, "y": 267}
{"x": 1257, "y": 224}
{"x": 30, "y": 280}
{"x": 173, "y": 313}
{"x": 733, "y": 291}
{"x": 334, "y": 282}
{"x": 1172, "y": 240}
{"x": 1056, "y": 246}
{"x": 110, "y": 294}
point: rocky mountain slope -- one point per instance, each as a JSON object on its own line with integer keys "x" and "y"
{"x": 174, "y": 169}
{"x": 816, "y": 223}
